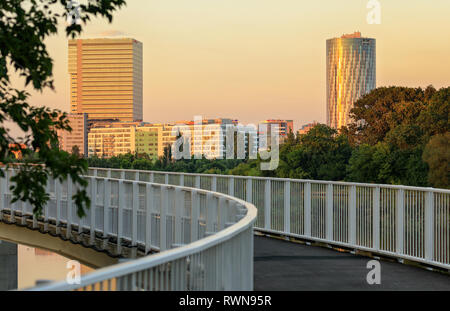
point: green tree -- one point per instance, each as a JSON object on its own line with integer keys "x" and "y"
{"x": 24, "y": 27}
{"x": 166, "y": 158}
{"x": 250, "y": 168}
{"x": 76, "y": 151}
{"x": 362, "y": 165}
{"x": 387, "y": 164}
{"x": 397, "y": 123}
{"x": 434, "y": 119}
{"x": 383, "y": 109}
{"x": 437, "y": 156}
{"x": 322, "y": 154}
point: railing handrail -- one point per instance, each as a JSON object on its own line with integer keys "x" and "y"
{"x": 154, "y": 260}
{"x": 345, "y": 183}
{"x": 400, "y": 221}
{"x": 229, "y": 230}
{"x": 403, "y": 222}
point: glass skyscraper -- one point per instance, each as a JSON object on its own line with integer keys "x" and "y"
{"x": 351, "y": 73}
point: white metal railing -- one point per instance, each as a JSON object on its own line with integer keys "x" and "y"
{"x": 404, "y": 222}
{"x": 204, "y": 238}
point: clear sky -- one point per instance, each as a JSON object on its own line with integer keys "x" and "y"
{"x": 259, "y": 59}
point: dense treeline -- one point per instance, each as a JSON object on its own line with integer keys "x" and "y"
{"x": 399, "y": 136}
{"x": 142, "y": 162}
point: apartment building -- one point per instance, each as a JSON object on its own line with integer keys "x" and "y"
{"x": 113, "y": 139}
{"x": 148, "y": 141}
{"x": 207, "y": 137}
{"x": 306, "y": 128}
{"x": 78, "y": 137}
{"x": 265, "y": 131}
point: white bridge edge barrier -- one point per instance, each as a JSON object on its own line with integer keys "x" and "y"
{"x": 205, "y": 238}
{"x": 404, "y": 222}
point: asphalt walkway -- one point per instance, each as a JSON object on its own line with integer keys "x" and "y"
{"x": 287, "y": 266}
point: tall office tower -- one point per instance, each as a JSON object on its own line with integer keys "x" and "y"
{"x": 351, "y": 73}
{"x": 106, "y": 78}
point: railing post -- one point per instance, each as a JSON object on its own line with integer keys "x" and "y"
{"x": 222, "y": 213}
{"x": 46, "y": 208}
{"x": 108, "y": 173}
{"x": 136, "y": 176}
{"x": 163, "y": 218}
{"x": 179, "y": 205}
{"x": 329, "y": 212}
{"x": 249, "y": 194}
{"x": 93, "y": 207}
{"x": 152, "y": 177}
{"x": 122, "y": 174}
{"x": 429, "y": 226}
{"x": 148, "y": 216}
{"x": 106, "y": 207}
{"x": 134, "y": 213}
{"x": 166, "y": 179}
{"x": 120, "y": 216}
{"x": 23, "y": 219}
{"x": 267, "y": 204}
{"x": 214, "y": 184}
{"x": 35, "y": 223}
{"x": 400, "y": 210}
{"x": 181, "y": 180}
{"x": 80, "y": 226}
{"x": 376, "y": 218}
{"x": 211, "y": 214}
{"x": 231, "y": 186}
{"x": 13, "y": 205}
{"x": 69, "y": 208}
{"x": 58, "y": 205}
{"x": 307, "y": 209}
{"x": 197, "y": 182}
{"x": 195, "y": 211}
{"x": 94, "y": 172}
{"x": 3, "y": 182}
{"x": 352, "y": 216}
{"x": 287, "y": 206}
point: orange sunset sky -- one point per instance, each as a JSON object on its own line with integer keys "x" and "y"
{"x": 259, "y": 59}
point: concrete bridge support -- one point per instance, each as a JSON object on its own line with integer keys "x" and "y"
{"x": 8, "y": 266}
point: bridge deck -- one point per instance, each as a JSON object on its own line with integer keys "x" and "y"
{"x": 282, "y": 265}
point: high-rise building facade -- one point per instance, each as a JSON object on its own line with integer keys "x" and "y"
{"x": 265, "y": 131}
{"x": 106, "y": 78}
{"x": 113, "y": 140}
{"x": 351, "y": 73}
{"x": 284, "y": 126}
{"x": 78, "y": 137}
{"x": 306, "y": 128}
{"x": 206, "y": 138}
{"x": 149, "y": 141}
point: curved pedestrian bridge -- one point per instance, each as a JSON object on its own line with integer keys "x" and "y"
{"x": 177, "y": 231}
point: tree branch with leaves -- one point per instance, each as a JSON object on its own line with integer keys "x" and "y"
{"x": 24, "y": 26}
